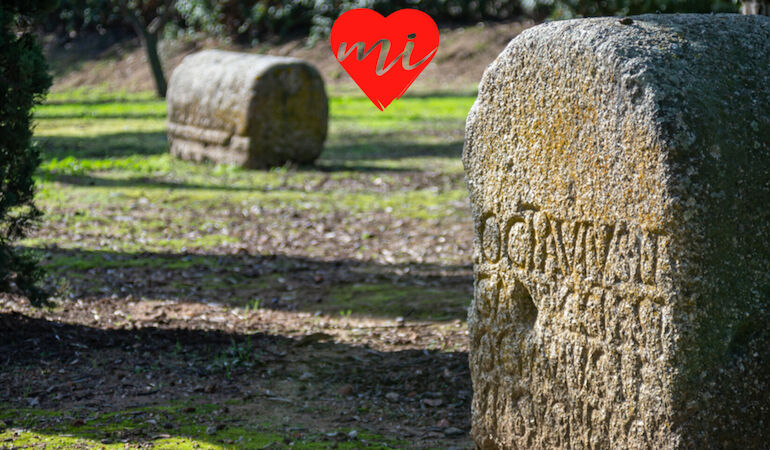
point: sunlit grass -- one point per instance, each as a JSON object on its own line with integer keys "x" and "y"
{"x": 104, "y": 151}
{"x": 117, "y": 206}
{"x": 97, "y": 94}
{"x": 405, "y": 114}
{"x": 94, "y": 126}
{"x": 143, "y": 109}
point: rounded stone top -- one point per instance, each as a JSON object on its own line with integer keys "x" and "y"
{"x": 613, "y": 116}
{"x": 215, "y": 89}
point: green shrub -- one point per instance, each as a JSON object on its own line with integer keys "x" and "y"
{"x": 248, "y": 20}
{"x": 23, "y": 81}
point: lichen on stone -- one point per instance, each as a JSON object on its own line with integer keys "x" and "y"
{"x": 622, "y": 270}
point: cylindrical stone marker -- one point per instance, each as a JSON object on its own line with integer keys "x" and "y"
{"x": 619, "y": 176}
{"x": 256, "y": 111}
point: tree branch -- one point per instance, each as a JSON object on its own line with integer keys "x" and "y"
{"x": 160, "y": 21}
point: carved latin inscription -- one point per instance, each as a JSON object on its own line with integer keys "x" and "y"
{"x": 600, "y": 254}
{"x": 593, "y": 290}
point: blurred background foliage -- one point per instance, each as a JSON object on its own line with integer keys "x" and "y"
{"x": 249, "y": 21}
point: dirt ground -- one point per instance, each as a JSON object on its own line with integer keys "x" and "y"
{"x": 137, "y": 330}
{"x": 306, "y": 371}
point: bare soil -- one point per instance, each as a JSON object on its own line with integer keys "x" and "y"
{"x": 310, "y": 372}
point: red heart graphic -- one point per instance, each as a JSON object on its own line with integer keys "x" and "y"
{"x": 384, "y": 55}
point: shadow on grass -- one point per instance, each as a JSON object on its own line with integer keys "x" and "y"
{"x": 386, "y": 147}
{"x": 112, "y": 145}
{"x": 336, "y": 158}
{"x": 410, "y": 290}
{"x": 101, "y": 115}
{"x": 85, "y": 179}
{"x": 155, "y": 384}
{"x": 107, "y": 99}
{"x": 147, "y": 182}
{"x": 365, "y": 147}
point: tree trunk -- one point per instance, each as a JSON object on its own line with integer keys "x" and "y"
{"x": 761, "y": 7}
{"x": 150, "y": 44}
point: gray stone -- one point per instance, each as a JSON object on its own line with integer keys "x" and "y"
{"x": 252, "y": 110}
{"x": 619, "y": 176}
{"x": 453, "y": 431}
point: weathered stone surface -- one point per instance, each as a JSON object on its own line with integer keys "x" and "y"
{"x": 253, "y": 110}
{"x": 619, "y": 176}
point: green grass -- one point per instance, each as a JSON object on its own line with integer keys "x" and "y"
{"x": 105, "y": 210}
{"x": 88, "y": 131}
{"x": 347, "y": 112}
{"x": 136, "y": 109}
{"x": 407, "y": 114}
{"x": 415, "y": 302}
{"x": 102, "y": 151}
{"x": 98, "y": 94}
{"x": 111, "y": 193}
{"x": 172, "y": 426}
{"x": 118, "y": 207}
